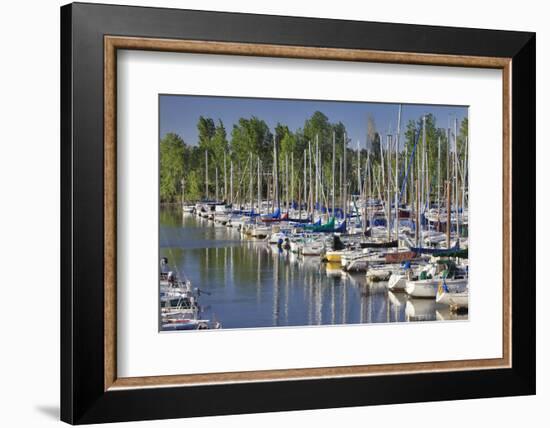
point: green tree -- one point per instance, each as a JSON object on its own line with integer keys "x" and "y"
{"x": 287, "y": 141}
{"x": 251, "y": 136}
{"x": 319, "y": 127}
{"x": 172, "y": 150}
{"x": 207, "y": 129}
{"x": 218, "y": 146}
{"x": 212, "y": 139}
{"x": 281, "y": 131}
{"x": 194, "y": 185}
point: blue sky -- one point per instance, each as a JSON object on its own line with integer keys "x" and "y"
{"x": 180, "y": 113}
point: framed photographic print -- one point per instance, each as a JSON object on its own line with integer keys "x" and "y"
{"x": 265, "y": 213}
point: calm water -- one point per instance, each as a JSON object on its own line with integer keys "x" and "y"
{"x": 253, "y": 284}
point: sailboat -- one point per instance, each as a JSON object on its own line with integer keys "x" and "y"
{"x": 454, "y": 295}
{"x": 427, "y": 284}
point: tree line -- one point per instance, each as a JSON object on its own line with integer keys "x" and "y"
{"x": 183, "y": 166}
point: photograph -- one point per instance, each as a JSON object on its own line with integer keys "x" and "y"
{"x": 295, "y": 213}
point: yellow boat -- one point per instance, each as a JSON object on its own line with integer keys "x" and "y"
{"x": 333, "y": 256}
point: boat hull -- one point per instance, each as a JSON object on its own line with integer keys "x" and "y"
{"x": 397, "y": 282}
{"x": 453, "y": 294}
{"x": 378, "y": 274}
{"x": 426, "y": 289}
{"x": 333, "y": 256}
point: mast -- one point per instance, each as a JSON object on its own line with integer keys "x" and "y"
{"x": 388, "y": 196}
{"x": 206, "y": 175}
{"x": 224, "y": 177}
{"x": 438, "y": 182}
{"x": 414, "y": 154}
{"x": 217, "y": 184}
{"x": 269, "y": 204}
{"x": 286, "y": 181}
{"x": 311, "y": 206}
{"x": 365, "y": 199}
{"x": 397, "y": 175}
{"x": 368, "y": 189}
{"x": 231, "y": 181}
{"x": 292, "y": 195}
{"x": 382, "y": 166}
{"x": 456, "y": 181}
{"x": 321, "y": 190}
{"x": 447, "y": 159}
{"x": 423, "y": 187}
{"x": 448, "y": 223}
{"x": 316, "y": 148}
{"x": 379, "y": 183}
{"x": 423, "y": 173}
{"x": 299, "y": 200}
{"x": 465, "y": 177}
{"x": 341, "y": 191}
{"x": 259, "y": 185}
{"x": 333, "y": 166}
{"x": 345, "y": 178}
{"x": 407, "y": 187}
{"x": 359, "y": 190}
{"x": 428, "y": 186}
{"x": 417, "y": 225}
{"x": 305, "y": 183}
{"x": 276, "y": 173}
{"x": 251, "y": 174}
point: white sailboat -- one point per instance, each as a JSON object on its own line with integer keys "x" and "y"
{"x": 434, "y": 275}
{"x": 427, "y": 288}
{"x": 453, "y": 295}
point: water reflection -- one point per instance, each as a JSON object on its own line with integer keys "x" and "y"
{"x": 253, "y": 284}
